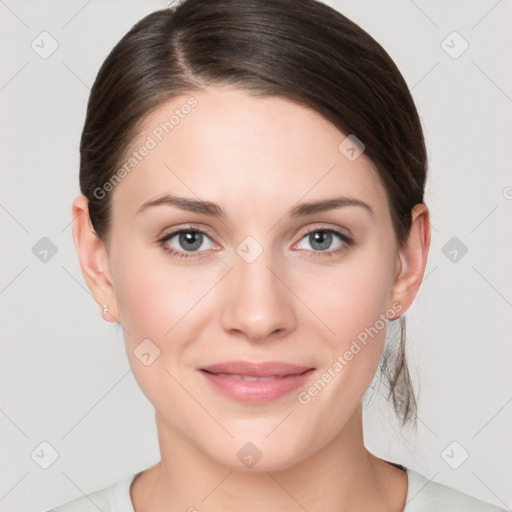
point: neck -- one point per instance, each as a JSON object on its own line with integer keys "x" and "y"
{"x": 342, "y": 476}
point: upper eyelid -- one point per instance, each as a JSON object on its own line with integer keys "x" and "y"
{"x": 176, "y": 231}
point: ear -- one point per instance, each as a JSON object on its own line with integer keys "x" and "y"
{"x": 94, "y": 259}
{"x": 412, "y": 259}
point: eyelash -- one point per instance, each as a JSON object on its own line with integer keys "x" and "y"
{"x": 348, "y": 242}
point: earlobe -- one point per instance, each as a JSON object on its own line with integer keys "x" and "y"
{"x": 412, "y": 258}
{"x": 94, "y": 260}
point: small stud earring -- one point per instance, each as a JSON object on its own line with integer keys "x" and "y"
{"x": 105, "y": 309}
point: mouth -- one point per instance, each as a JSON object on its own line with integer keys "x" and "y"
{"x": 255, "y": 382}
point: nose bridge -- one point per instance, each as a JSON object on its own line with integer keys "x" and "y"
{"x": 257, "y": 302}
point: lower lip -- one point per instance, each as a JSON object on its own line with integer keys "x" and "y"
{"x": 258, "y": 391}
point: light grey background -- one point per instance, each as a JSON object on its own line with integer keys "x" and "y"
{"x": 65, "y": 379}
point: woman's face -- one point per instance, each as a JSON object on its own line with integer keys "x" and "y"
{"x": 291, "y": 325}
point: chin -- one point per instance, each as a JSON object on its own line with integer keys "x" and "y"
{"x": 258, "y": 454}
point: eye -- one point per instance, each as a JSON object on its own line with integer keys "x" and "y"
{"x": 187, "y": 240}
{"x": 320, "y": 239}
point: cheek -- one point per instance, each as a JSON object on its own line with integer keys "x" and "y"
{"x": 147, "y": 296}
{"x": 353, "y": 304}
{"x": 150, "y": 303}
{"x": 157, "y": 299}
{"x": 353, "y": 296}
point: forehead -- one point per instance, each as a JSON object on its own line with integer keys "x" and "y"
{"x": 229, "y": 146}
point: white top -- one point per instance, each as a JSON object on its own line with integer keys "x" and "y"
{"x": 423, "y": 495}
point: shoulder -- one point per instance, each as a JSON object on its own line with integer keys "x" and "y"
{"x": 114, "y": 498}
{"x": 424, "y": 495}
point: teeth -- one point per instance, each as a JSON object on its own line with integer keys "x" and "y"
{"x": 248, "y": 378}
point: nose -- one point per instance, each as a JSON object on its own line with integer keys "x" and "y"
{"x": 259, "y": 303}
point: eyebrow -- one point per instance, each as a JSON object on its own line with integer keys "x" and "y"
{"x": 214, "y": 210}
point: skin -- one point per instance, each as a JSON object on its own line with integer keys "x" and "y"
{"x": 256, "y": 157}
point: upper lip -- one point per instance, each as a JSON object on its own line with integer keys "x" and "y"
{"x": 253, "y": 369}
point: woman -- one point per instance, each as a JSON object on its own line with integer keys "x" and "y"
{"x": 252, "y": 215}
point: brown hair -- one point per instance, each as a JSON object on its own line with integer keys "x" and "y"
{"x": 303, "y": 50}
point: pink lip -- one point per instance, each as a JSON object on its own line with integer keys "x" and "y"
{"x": 272, "y": 380}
